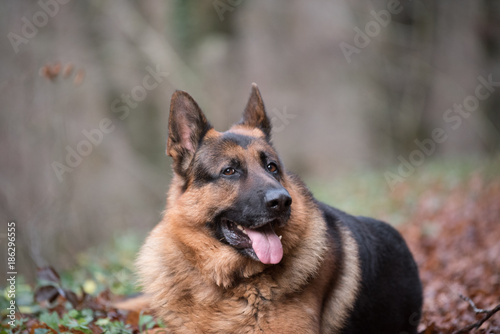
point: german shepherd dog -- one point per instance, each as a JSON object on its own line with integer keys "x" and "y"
{"x": 245, "y": 248}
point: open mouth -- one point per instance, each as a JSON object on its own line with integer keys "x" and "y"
{"x": 260, "y": 243}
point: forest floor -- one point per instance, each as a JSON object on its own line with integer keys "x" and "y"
{"x": 448, "y": 213}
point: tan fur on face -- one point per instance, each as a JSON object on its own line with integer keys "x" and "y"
{"x": 247, "y": 131}
{"x": 201, "y": 285}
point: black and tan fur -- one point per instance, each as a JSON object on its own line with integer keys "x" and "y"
{"x": 337, "y": 274}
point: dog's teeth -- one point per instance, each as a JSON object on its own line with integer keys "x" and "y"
{"x": 239, "y": 227}
{"x": 280, "y": 237}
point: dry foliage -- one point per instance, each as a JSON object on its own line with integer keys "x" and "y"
{"x": 455, "y": 238}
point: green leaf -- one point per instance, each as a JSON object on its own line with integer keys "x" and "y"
{"x": 114, "y": 327}
{"x": 146, "y": 321}
{"x": 50, "y": 319}
{"x": 73, "y": 313}
{"x": 103, "y": 322}
{"x": 87, "y": 313}
{"x": 41, "y": 331}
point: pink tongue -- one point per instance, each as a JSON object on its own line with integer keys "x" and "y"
{"x": 266, "y": 244}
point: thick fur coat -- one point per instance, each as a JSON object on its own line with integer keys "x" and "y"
{"x": 244, "y": 247}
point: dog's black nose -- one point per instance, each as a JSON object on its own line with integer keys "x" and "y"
{"x": 278, "y": 200}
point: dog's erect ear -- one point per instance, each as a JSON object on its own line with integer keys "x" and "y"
{"x": 255, "y": 114}
{"x": 186, "y": 127}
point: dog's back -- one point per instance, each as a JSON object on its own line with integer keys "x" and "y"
{"x": 390, "y": 295}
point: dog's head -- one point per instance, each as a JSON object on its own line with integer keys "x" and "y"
{"x": 230, "y": 184}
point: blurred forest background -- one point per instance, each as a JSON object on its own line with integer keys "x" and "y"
{"x": 67, "y": 67}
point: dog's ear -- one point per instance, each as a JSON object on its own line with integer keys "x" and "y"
{"x": 255, "y": 114}
{"x": 187, "y": 125}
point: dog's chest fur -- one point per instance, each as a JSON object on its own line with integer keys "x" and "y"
{"x": 249, "y": 308}
{"x": 275, "y": 300}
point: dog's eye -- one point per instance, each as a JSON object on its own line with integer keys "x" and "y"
{"x": 272, "y": 168}
{"x": 229, "y": 171}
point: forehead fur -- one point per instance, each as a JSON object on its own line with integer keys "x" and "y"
{"x": 247, "y": 131}
{"x": 240, "y": 135}
{"x": 236, "y": 140}
{"x": 235, "y": 147}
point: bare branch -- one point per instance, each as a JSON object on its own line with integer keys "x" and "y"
{"x": 473, "y": 305}
{"x": 476, "y": 325}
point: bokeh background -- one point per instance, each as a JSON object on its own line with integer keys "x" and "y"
{"x": 346, "y": 98}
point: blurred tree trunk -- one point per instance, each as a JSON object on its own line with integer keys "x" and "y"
{"x": 457, "y": 61}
